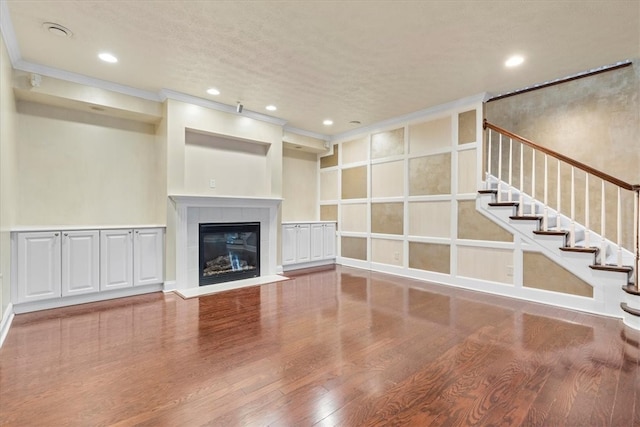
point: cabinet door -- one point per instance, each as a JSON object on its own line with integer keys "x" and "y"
{"x": 329, "y": 236}
{"x": 289, "y": 232}
{"x": 317, "y": 241}
{"x": 80, "y": 262}
{"x": 116, "y": 259}
{"x": 38, "y": 266}
{"x": 303, "y": 243}
{"x": 147, "y": 256}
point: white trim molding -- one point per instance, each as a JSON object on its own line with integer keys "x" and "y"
{"x": 5, "y": 324}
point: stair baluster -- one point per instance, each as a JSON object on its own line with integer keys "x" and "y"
{"x": 603, "y": 250}
{"x": 603, "y": 244}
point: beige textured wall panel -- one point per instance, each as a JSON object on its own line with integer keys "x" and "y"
{"x": 387, "y": 218}
{"x": 430, "y": 219}
{"x": 355, "y": 150}
{"x": 387, "y": 179}
{"x": 541, "y": 273}
{"x": 354, "y": 217}
{"x": 79, "y": 168}
{"x": 239, "y": 168}
{"x": 430, "y": 257}
{"x": 354, "y": 183}
{"x": 387, "y": 251}
{"x": 329, "y": 185}
{"x": 467, "y": 127}
{"x": 431, "y": 136}
{"x": 353, "y": 247}
{"x": 330, "y": 161}
{"x": 386, "y": 144}
{"x": 430, "y": 175}
{"x": 485, "y": 263}
{"x": 475, "y": 226}
{"x": 467, "y": 172}
{"x": 329, "y": 213}
{"x": 299, "y": 185}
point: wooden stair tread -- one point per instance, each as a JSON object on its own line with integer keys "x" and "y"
{"x": 487, "y": 191}
{"x": 611, "y": 267}
{"x": 551, "y": 232}
{"x": 526, "y": 218}
{"x": 624, "y": 306}
{"x": 591, "y": 249}
{"x": 631, "y": 289}
{"x": 498, "y": 204}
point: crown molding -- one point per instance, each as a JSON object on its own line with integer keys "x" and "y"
{"x": 8, "y": 33}
{"x": 385, "y": 124}
{"x": 56, "y": 73}
{"x": 308, "y": 133}
{"x": 206, "y": 103}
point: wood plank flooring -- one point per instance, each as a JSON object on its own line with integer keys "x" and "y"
{"x": 330, "y": 347}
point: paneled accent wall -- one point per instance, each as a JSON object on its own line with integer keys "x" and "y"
{"x": 404, "y": 197}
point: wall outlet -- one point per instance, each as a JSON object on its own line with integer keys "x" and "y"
{"x": 396, "y": 256}
{"x": 212, "y": 183}
{"x": 510, "y": 270}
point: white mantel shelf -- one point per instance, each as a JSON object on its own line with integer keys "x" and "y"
{"x": 223, "y": 201}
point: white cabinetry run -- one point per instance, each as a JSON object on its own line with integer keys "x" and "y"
{"x": 64, "y": 267}
{"x": 308, "y": 244}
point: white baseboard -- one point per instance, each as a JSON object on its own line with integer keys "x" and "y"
{"x": 169, "y": 286}
{"x": 5, "y": 324}
{"x": 311, "y": 264}
{"x": 86, "y": 298}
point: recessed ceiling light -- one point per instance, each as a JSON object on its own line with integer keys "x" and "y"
{"x": 327, "y": 122}
{"x": 213, "y": 91}
{"x": 514, "y": 61}
{"x": 107, "y": 57}
{"x": 271, "y": 107}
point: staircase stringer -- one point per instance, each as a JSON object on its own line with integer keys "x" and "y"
{"x": 607, "y": 293}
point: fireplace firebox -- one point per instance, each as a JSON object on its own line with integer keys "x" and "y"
{"x": 229, "y": 251}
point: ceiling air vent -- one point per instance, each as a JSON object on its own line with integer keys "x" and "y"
{"x": 57, "y": 29}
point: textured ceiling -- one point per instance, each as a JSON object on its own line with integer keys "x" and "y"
{"x": 344, "y": 60}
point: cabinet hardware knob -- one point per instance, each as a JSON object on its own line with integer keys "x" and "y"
{"x": 137, "y": 231}
{"x": 55, "y": 234}
{"x": 66, "y": 234}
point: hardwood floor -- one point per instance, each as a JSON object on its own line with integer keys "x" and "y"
{"x": 332, "y": 347}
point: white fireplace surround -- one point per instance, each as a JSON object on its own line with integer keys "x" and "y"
{"x": 193, "y": 210}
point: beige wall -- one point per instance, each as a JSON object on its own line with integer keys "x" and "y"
{"x": 237, "y": 167}
{"x": 80, "y": 168}
{"x": 8, "y": 163}
{"x": 595, "y": 120}
{"x": 299, "y": 186}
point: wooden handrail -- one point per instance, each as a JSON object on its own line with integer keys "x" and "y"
{"x": 606, "y": 177}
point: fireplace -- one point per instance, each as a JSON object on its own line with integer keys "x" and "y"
{"x": 228, "y": 252}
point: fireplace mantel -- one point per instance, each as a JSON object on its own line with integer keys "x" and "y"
{"x": 192, "y": 210}
{"x": 224, "y": 201}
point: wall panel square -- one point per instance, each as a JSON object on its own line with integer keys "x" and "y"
{"x": 354, "y": 183}
{"x": 387, "y": 179}
{"x": 430, "y": 175}
{"x": 430, "y": 219}
{"x": 430, "y": 257}
{"x": 431, "y": 136}
{"x": 386, "y": 144}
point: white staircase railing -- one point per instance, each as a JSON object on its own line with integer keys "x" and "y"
{"x": 623, "y": 232}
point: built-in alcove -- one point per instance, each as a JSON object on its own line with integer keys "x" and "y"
{"x": 215, "y": 164}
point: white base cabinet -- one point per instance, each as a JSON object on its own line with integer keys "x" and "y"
{"x": 51, "y": 265}
{"x": 116, "y": 259}
{"x": 80, "y": 262}
{"x": 38, "y": 266}
{"x": 305, "y": 244}
{"x": 148, "y": 265}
